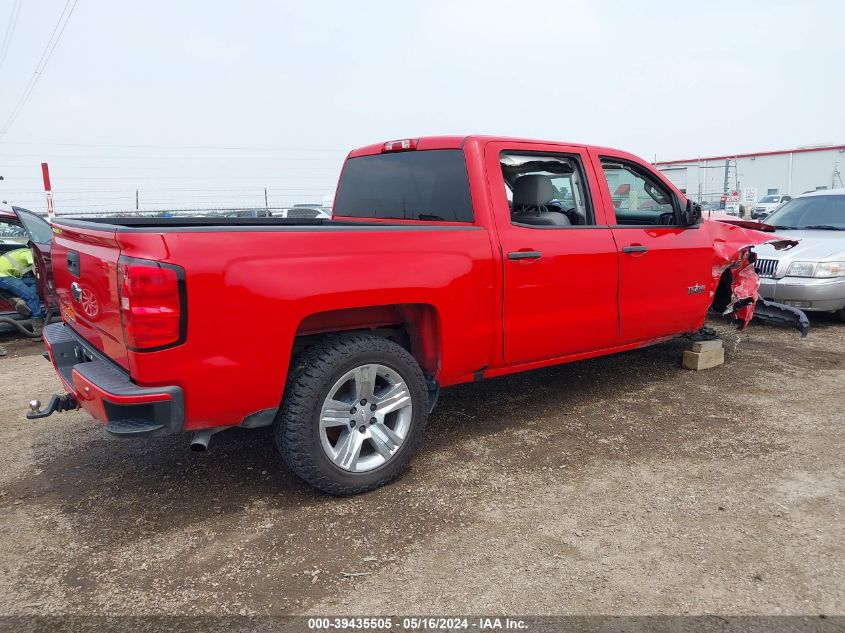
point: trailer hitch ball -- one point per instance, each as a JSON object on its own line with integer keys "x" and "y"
{"x": 57, "y": 404}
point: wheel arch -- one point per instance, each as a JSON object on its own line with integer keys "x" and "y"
{"x": 724, "y": 291}
{"x": 414, "y": 326}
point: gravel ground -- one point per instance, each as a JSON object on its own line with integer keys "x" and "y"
{"x": 621, "y": 485}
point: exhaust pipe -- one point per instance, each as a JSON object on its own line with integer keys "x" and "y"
{"x": 199, "y": 443}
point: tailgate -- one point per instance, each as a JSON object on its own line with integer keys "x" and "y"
{"x": 85, "y": 272}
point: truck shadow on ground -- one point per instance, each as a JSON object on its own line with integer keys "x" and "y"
{"x": 160, "y": 480}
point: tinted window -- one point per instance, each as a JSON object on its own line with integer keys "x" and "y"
{"x": 810, "y": 211}
{"x": 415, "y": 185}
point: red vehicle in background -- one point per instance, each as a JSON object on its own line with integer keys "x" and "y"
{"x": 447, "y": 260}
{"x": 21, "y": 228}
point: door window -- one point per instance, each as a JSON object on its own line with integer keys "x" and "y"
{"x": 637, "y": 198}
{"x": 39, "y": 230}
{"x": 545, "y": 190}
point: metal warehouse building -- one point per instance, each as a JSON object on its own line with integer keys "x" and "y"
{"x": 787, "y": 172}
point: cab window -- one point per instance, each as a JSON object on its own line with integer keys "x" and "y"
{"x": 637, "y": 198}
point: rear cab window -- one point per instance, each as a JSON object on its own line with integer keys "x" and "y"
{"x": 430, "y": 185}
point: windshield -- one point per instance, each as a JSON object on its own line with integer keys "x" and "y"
{"x": 769, "y": 199}
{"x": 812, "y": 211}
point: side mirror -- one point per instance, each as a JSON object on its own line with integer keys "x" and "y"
{"x": 691, "y": 214}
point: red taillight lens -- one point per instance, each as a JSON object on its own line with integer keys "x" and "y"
{"x": 151, "y": 303}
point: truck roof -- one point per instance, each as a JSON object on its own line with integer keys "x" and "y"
{"x": 457, "y": 142}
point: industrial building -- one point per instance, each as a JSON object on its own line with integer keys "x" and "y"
{"x": 786, "y": 172}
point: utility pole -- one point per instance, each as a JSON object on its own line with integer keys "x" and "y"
{"x": 698, "y": 178}
{"x": 136, "y": 199}
{"x": 266, "y": 205}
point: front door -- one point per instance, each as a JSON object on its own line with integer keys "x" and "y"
{"x": 665, "y": 269}
{"x": 560, "y": 262}
{"x": 40, "y": 237}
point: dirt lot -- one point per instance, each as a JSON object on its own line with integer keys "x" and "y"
{"x": 617, "y": 485}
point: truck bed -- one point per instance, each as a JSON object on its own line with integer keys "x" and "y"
{"x": 252, "y": 286}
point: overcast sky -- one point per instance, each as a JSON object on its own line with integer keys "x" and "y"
{"x": 155, "y": 95}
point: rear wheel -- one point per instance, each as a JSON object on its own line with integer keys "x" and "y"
{"x": 353, "y": 414}
{"x": 840, "y": 314}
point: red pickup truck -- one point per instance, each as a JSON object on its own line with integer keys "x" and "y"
{"x": 447, "y": 260}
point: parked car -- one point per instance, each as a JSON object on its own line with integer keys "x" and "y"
{"x": 448, "y": 260}
{"x": 19, "y": 228}
{"x": 810, "y": 276}
{"x": 767, "y": 205}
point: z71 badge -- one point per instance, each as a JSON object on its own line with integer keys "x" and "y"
{"x": 697, "y": 289}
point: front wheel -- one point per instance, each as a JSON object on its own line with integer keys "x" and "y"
{"x": 353, "y": 414}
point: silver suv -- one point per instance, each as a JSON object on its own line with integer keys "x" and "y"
{"x": 767, "y": 205}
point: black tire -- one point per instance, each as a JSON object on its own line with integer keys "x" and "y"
{"x": 840, "y": 314}
{"x": 311, "y": 376}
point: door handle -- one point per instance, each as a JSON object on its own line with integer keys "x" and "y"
{"x": 514, "y": 255}
{"x": 637, "y": 248}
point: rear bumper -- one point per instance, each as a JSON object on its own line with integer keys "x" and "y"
{"x": 819, "y": 295}
{"x": 107, "y": 392}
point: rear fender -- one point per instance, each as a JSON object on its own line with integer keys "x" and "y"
{"x": 420, "y": 322}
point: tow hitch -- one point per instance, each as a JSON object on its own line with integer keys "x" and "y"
{"x": 57, "y": 404}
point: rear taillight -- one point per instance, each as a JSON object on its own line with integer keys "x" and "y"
{"x": 152, "y": 303}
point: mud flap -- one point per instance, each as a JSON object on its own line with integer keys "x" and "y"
{"x": 780, "y": 314}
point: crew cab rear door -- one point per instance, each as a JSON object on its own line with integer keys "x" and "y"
{"x": 664, "y": 267}
{"x": 559, "y": 258}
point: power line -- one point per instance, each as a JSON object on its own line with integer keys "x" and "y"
{"x": 169, "y": 147}
{"x": 55, "y": 36}
{"x": 52, "y": 155}
{"x": 205, "y": 177}
{"x": 10, "y": 30}
{"x": 205, "y": 168}
{"x": 153, "y": 188}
